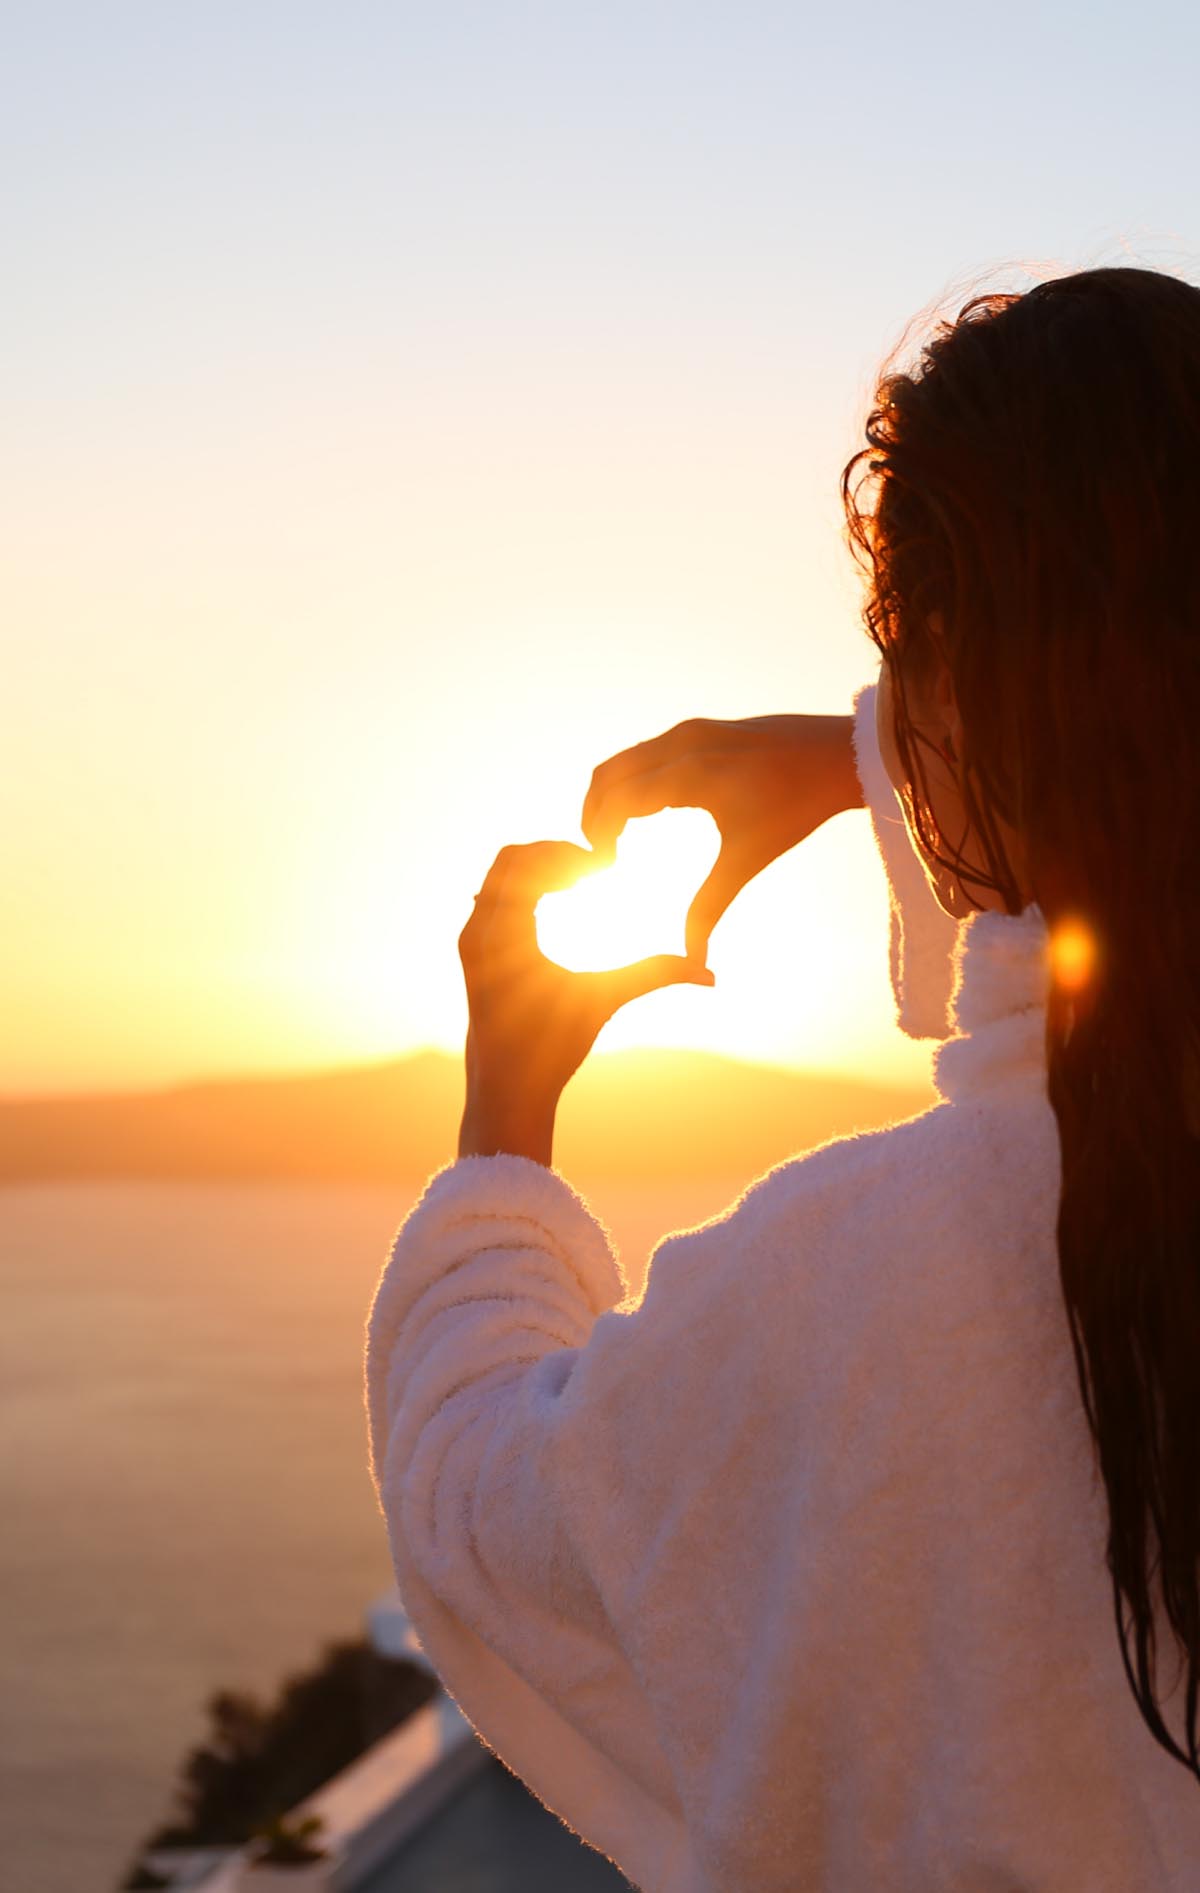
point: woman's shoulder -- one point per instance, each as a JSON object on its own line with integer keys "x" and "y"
{"x": 878, "y": 1205}
{"x": 832, "y": 1193}
{"x": 960, "y": 1172}
{"x": 885, "y": 1162}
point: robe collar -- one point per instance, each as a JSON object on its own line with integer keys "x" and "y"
{"x": 997, "y": 1004}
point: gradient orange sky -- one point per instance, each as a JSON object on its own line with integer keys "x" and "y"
{"x": 406, "y": 409}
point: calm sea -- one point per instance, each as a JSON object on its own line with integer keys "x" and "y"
{"x": 184, "y": 1498}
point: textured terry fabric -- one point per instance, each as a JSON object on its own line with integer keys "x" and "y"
{"x": 922, "y": 936}
{"x": 790, "y": 1575}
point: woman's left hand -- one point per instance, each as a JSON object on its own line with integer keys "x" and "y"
{"x": 533, "y": 1023}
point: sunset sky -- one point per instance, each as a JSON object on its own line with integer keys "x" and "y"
{"x": 407, "y": 406}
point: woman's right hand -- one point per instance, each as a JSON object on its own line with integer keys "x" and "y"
{"x": 767, "y": 782}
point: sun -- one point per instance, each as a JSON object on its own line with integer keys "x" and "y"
{"x": 637, "y": 907}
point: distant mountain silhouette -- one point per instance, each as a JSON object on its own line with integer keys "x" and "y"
{"x": 640, "y": 1115}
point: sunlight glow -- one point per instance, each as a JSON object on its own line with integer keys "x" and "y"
{"x": 638, "y": 906}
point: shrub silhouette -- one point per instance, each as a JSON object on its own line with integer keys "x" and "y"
{"x": 287, "y": 1842}
{"x": 259, "y": 1760}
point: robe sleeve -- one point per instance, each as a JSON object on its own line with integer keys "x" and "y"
{"x": 509, "y": 1384}
{"x": 921, "y": 934}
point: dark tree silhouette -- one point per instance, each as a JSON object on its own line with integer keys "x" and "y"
{"x": 259, "y": 1761}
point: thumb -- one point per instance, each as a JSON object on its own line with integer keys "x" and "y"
{"x": 647, "y": 976}
{"x": 727, "y": 878}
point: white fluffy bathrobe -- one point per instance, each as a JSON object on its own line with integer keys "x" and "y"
{"x": 791, "y": 1575}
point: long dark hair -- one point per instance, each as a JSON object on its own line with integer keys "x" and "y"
{"x": 1034, "y": 478}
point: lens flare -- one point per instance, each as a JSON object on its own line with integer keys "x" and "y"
{"x": 1073, "y": 955}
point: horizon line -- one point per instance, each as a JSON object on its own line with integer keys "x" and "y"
{"x": 297, "y": 1074}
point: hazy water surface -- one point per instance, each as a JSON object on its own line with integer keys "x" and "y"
{"x": 183, "y": 1480}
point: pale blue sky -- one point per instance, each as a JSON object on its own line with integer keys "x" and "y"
{"x": 407, "y": 405}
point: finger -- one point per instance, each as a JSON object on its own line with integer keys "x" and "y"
{"x": 520, "y": 875}
{"x": 647, "y": 976}
{"x": 726, "y": 879}
{"x": 614, "y": 800}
